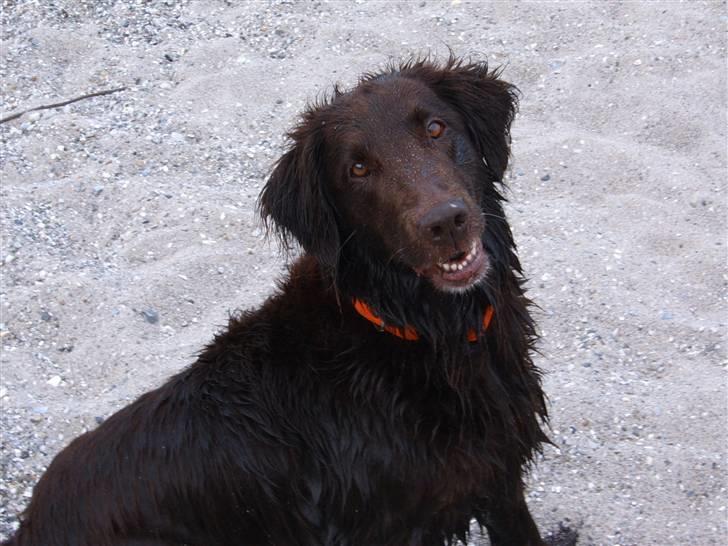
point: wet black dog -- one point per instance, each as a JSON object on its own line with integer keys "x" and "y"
{"x": 385, "y": 395}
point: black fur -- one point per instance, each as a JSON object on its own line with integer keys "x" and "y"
{"x": 302, "y": 424}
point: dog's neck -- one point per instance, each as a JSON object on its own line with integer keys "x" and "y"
{"x": 401, "y": 298}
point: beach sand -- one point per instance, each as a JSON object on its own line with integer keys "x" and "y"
{"x": 129, "y": 232}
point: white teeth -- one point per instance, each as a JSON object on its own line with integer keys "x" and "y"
{"x": 459, "y": 266}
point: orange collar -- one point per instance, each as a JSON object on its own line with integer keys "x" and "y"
{"x": 409, "y": 333}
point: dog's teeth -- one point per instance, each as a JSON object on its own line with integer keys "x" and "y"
{"x": 462, "y": 264}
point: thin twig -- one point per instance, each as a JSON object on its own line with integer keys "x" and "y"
{"x": 64, "y": 103}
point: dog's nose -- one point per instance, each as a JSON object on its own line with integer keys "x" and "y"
{"x": 446, "y": 219}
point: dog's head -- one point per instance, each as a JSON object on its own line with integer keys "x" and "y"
{"x": 402, "y": 165}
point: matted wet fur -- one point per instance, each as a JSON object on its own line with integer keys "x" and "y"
{"x": 302, "y": 423}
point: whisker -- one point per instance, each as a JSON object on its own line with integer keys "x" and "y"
{"x": 492, "y": 215}
{"x": 395, "y": 254}
{"x": 343, "y": 244}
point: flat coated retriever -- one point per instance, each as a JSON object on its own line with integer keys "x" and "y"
{"x": 385, "y": 394}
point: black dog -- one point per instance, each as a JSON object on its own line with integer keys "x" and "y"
{"x": 385, "y": 395}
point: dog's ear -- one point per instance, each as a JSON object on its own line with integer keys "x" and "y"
{"x": 486, "y": 103}
{"x": 294, "y": 200}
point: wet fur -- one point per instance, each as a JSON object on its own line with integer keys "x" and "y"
{"x": 301, "y": 423}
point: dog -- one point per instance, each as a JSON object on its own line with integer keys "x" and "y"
{"x": 385, "y": 394}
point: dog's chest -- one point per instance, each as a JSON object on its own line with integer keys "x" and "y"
{"x": 421, "y": 449}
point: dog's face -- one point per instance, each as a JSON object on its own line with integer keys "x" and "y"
{"x": 399, "y": 164}
{"x": 403, "y": 175}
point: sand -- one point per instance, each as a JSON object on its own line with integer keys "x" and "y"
{"x": 129, "y": 232}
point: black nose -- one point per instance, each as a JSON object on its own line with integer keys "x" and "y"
{"x": 445, "y": 220}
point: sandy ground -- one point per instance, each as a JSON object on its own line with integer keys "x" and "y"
{"x": 129, "y": 234}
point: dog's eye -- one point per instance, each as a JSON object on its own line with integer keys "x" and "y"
{"x": 359, "y": 169}
{"x": 435, "y": 129}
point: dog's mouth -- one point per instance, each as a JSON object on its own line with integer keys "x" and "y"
{"x": 460, "y": 271}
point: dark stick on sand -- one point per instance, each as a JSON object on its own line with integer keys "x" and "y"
{"x": 64, "y": 103}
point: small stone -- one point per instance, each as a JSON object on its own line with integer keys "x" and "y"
{"x": 99, "y": 419}
{"x": 701, "y": 200}
{"x": 97, "y": 190}
{"x": 34, "y": 116}
{"x": 546, "y": 178}
{"x": 151, "y": 316}
{"x": 55, "y": 381}
{"x": 45, "y": 315}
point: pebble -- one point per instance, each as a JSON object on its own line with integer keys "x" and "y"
{"x": 151, "y": 316}
{"x": 55, "y": 381}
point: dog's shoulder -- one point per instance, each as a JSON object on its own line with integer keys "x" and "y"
{"x": 277, "y": 337}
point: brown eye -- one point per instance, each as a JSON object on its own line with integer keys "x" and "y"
{"x": 359, "y": 169}
{"x": 435, "y": 129}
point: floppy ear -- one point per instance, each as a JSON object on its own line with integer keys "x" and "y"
{"x": 486, "y": 103}
{"x": 294, "y": 199}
